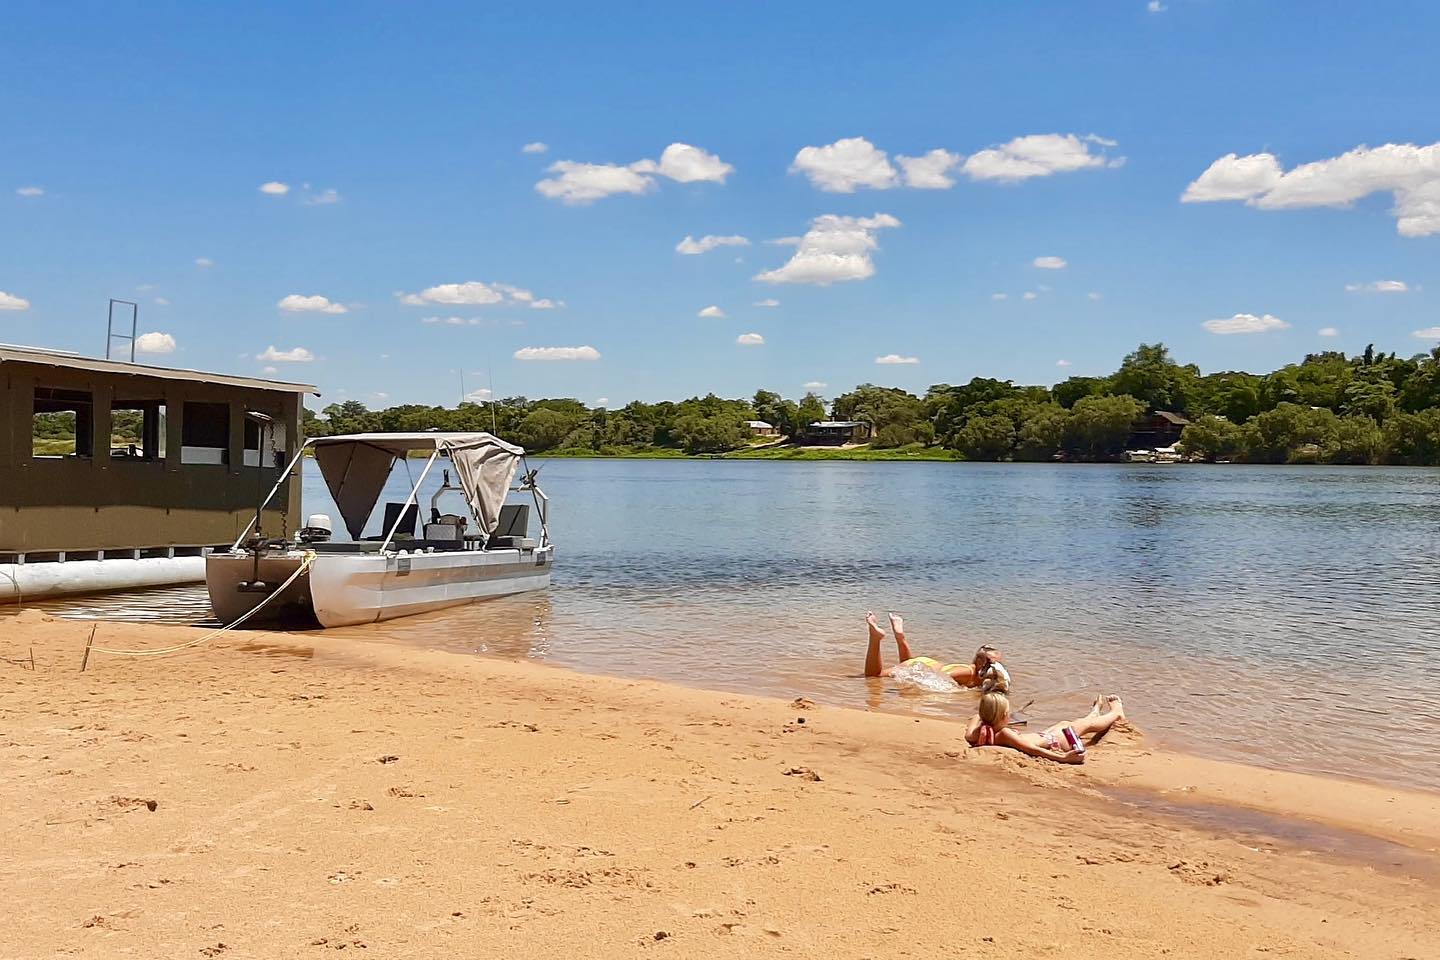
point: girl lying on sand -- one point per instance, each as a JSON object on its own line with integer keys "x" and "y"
{"x": 986, "y": 672}
{"x": 989, "y": 728}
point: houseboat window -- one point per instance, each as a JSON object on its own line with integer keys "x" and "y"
{"x": 63, "y": 423}
{"x": 205, "y": 433}
{"x": 273, "y": 434}
{"x": 137, "y": 430}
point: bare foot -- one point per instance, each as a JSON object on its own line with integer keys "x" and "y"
{"x": 875, "y": 632}
{"x": 1095, "y": 708}
{"x": 897, "y": 623}
{"x": 1116, "y": 707}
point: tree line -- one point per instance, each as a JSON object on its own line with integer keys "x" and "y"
{"x": 1329, "y": 408}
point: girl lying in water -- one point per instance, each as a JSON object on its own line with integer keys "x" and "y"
{"x": 986, "y": 672}
{"x": 989, "y": 728}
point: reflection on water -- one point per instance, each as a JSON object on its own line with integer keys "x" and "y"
{"x": 1280, "y": 616}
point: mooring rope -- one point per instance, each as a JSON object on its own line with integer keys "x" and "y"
{"x": 304, "y": 565}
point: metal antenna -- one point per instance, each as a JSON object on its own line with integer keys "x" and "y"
{"x": 111, "y": 335}
{"x": 490, "y": 374}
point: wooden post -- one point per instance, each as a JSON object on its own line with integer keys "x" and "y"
{"x": 86, "y": 660}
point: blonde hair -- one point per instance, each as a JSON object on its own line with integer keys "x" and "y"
{"x": 994, "y": 709}
{"x": 985, "y": 656}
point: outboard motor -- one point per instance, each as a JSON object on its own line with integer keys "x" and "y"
{"x": 317, "y": 529}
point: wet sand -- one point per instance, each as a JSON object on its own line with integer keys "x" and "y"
{"x": 270, "y": 795}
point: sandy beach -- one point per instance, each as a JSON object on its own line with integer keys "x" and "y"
{"x": 270, "y": 795}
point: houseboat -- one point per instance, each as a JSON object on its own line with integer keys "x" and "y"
{"x": 116, "y": 475}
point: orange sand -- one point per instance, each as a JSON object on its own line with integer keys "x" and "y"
{"x": 311, "y": 795}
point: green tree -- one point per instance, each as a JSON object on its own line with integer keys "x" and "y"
{"x": 701, "y": 434}
{"x": 1150, "y": 376}
{"x": 1075, "y": 389}
{"x": 1354, "y": 440}
{"x": 986, "y": 438}
{"x": 1099, "y": 426}
{"x": 1414, "y": 438}
{"x": 1041, "y": 432}
{"x": 811, "y": 410}
{"x": 545, "y": 429}
{"x": 1212, "y": 438}
{"x": 1289, "y": 433}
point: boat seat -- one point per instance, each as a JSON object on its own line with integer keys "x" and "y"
{"x": 407, "y": 521}
{"x": 514, "y": 521}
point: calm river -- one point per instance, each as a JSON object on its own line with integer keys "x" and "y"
{"x": 1282, "y": 616}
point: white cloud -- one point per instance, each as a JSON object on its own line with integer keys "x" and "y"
{"x": 327, "y": 196}
{"x": 1038, "y": 155}
{"x": 458, "y": 321}
{"x": 161, "y": 302}
{"x": 785, "y": 242}
{"x": 269, "y": 371}
{"x": 602, "y": 401}
{"x": 846, "y": 164}
{"x": 1095, "y": 295}
{"x": 686, "y": 164}
{"x": 836, "y": 248}
{"x": 482, "y": 395}
{"x": 557, "y": 353}
{"x": 894, "y": 358}
{"x": 1155, "y": 6}
{"x": 767, "y": 302}
{"x": 931, "y": 171}
{"x": 475, "y": 293}
{"x": 815, "y": 385}
{"x": 1429, "y": 333}
{"x": 204, "y": 262}
{"x": 581, "y": 183}
{"x": 30, "y": 191}
{"x": 1379, "y": 286}
{"x": 999, "y": 296}
{"x": 297, "y": 303}
{"x": 275, "y": 188}
{"x": 1328, "y": 332}
{"x": 535, "y": 147}
{"x": 1245, "y": 323}
{"x": 1030, "y": 295}
{"x": 296, "y": 355}
{"x": 1050, "y": 263}
{"x": 750, "y": 340}
{"x": 155, "y": 342}
{"x": 1411, "y": 174}
{"x": 8, "y": 301}
{"x": 1062, "y": 363}
{"x": 711, "y": 311}
{"x": 692, "y": 247}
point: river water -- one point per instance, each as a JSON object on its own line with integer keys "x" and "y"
{"x": 1288, "y": 617}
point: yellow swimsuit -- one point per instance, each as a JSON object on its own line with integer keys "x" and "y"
{"x": 934, "y": 664}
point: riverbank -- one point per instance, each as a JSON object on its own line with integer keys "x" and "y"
{"x": 283, "y": 795}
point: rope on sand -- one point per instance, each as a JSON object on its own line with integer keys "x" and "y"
{"x": 305, "y": 565}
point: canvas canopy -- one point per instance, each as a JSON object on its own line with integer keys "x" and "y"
{"x": 355, "y": 468}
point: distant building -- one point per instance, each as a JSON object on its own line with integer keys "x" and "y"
{"x": 759, "y": 428}
{"x": 836, "y": 433}
{"x": 1159, "y": 429}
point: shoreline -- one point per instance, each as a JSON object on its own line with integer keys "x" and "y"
{"x": 525, "y": 799}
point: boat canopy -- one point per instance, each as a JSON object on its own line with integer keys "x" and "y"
{"x": 356, "y": 466}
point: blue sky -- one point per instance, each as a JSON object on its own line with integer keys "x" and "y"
{"x": 1070, "y": 131}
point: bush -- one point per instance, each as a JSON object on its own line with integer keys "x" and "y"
{"x": 1212, "y": 438}
{"x": 1099, "y": 426}
{"x": 986, "y": 438}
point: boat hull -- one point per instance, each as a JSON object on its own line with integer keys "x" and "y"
{"x": 345, "y": 589}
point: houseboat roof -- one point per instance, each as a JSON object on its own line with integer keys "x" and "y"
{"x": 72, "y": 361}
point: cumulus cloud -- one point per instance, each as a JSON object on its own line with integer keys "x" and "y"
{"x": 999, "y": 296}
{"x": 1038, "y": 155}
{"x": 711, "y": 311}
{"x": 750, "y": 340}
{"x": 557, "y": 353}
{"x": 581, "y": 183}
{"x": 692, "y": 247}
{"x": 458, "y": 321}
{"x": 844, "y": 165}
{"x": 1328, "y": 332}
{"x": 834, "y": 249}
{"x": 269, "y": 371}
{"x": 1095, "y": 295}
{"x": 891, "y": 359}
{"x": 1379, "y": 286}
{"x": 327, "y": 196}
{"x": 204, "y": 263}
{"x": 767, "y": 302}
{"x": 1029, "y": 295}
{"x": 1429, "y": 333}
{"x": 161, "y": 302}
{"x": 474, "y": 293}
{"x": 1245, "y": 323}
{"x": 295, "y": 355}
{"x": 535, "y": 147}
{"x": 155, "y": 342}
{"x": 482, "y": 395}
{"x": 814, "y": 385}
{"x": 1050, "y": 263}
{"x": 30, "y": 191}
{"x": 298, "y": 303}
{"x": 275, "y": 188}
{"x": 930, "y": 171}
{"x": 1062, "y": 363}
{"x": 1155, "y": 6}
{"x": 1409, "y": 173}
{"x": 8, "y": 301}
